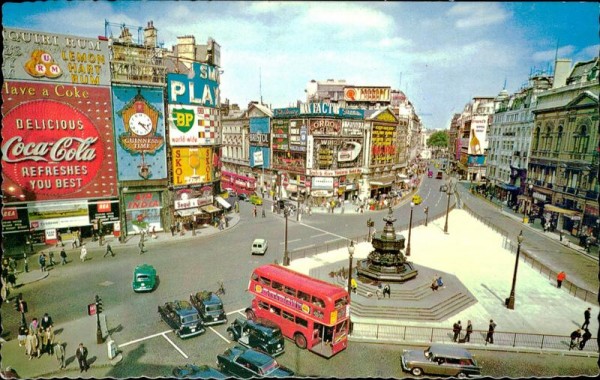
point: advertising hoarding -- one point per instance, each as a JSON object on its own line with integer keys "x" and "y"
{"x": 54, "y": 58}
{"x": 48, "y": 215}
{"x": 142, "y": 211}
{"x": 298, "y": 133}
{"x": 383, "y": 144}
{"x": 324, "y": 127}
{"x": 140, "y": 131}
{"x": 200, "y": 87}
{"x": 263, "y": 152}
{"x": 57, "y": 142}
{"x": 192, "y": 125}
{"x": 478, "y": 135}
{"x": 281, "y": 134}
{"x": 191, "y": 165}
{"x": 367, "y": 94}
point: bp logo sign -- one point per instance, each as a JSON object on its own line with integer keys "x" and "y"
{"x": 183, "y": 119}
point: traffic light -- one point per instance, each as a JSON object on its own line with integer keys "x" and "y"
{"x": 98, "y": 304}
{"x": 370, "y": 223}
{"x": 17, "y": 304}
{"x": 426, "y": 210}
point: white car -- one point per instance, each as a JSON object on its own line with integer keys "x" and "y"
{"x": 259, "y": 246}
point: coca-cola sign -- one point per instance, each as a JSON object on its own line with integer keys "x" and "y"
{"x": 56, "y": 148}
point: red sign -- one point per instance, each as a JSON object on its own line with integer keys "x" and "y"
{"x": 9, "y": 213}
{"x": 92, "y": 309}
{"x": 104, "y": 207}
{"x": 57, "y": 142}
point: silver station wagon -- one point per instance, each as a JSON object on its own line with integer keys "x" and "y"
{"x": 441, "y": 360}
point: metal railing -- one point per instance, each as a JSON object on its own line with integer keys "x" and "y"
{"x": 415, "y": 334}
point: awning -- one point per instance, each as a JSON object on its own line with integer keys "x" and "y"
{"x": 223, "y": 203}
{"x": 211, "y": 209}
{"x": 560, "y": 210}
{"x": 383, "y": 181}
{"x": 188, "y": 211}
{"x": 506, "y": 186}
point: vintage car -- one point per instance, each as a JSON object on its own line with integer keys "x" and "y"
{"x": 255, "y": 200}
{"x": 439, "y": 175}
{"x": 246, "y": 362}
{"x": 430, "y": 174}
{"x": 243, "y": 197}
{"x": 144, "y": 278}
{"x": 263, "y": 335}
{"x": 259, "y": 247}
{"x": 183, "y": 318}
{"x": 191, "y": 371}
{"x": 440, "y": 359}
{"x": 416, "y": 199}
{"x": 209, "y": 306}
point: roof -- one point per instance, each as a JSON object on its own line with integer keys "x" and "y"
{"x": 257, "y": 357}
{"x": 264, "y": 109}
{"x": 449, "y": 351}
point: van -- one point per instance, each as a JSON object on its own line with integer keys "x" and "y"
{"x": 259, "y": 246}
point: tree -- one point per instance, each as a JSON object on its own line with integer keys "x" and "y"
{"x": 438, "y": 139}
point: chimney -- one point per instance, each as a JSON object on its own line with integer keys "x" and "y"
{"x": 562, "y": 68}
{"x": 150, "y": 34}
{"x": 126, "y": 36}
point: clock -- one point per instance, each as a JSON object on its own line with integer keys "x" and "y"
{"x": 140, "y": 124}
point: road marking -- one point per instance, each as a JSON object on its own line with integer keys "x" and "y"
{"x": 239, "y": 311}
{"x": 289, "y": 241}
{"x": 174, "y": 345}
{"x": 222, "y": 337}
{"x": 326, "y": 232}
{"x": 314, "y": 236}
{"x": 141, "y": 339}
{"x": 305, "y": 247}
{"x": 331, "y": 241}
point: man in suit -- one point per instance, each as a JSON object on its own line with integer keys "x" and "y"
{"x": 81, "y": 355}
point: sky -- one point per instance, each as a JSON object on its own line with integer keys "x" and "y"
{"x": 440, "y": 54}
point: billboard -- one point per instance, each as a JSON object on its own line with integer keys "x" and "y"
{"x": 263, "y": 152}
{"x": 478, "y": 135}
{"x": 57, "y": 142}
{"x": 281, "y": 134}
{"x": 54, "y": 58}
{"x": 367, "y": 94}
{"x": 193, "y": 125}
{"x": 383, "y": 144}
{"x": 142, "y": 211}
{"x": 199, "y": 87}
{"x": 140, "y": 132}
{"x": 48, "y": 215}
{"x": 191, "y": 165}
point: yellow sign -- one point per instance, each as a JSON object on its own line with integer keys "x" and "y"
{"x": 333, "y": 318}
{"x": 191, "y": 165}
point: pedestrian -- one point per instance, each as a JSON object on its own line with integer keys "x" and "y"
{"x": 587, "y": 335}
{"x": 63, "y": 257}
{"x": 353, "y": 285}
{"x": 59, "y": 239}
{"x": 586, "y": 317}
{"x": 109, "y": 250}
{"x": 560, "y": 278}
{"x": 81, "y": 354}
{"x": 469, "y": 331}
{"x": 141, "y": 246}
{"x": 31, "y": 344}
{"x": 12, "y": 265}
{"x": 456, "y": 328}
{"x": 575, "y": 336}
{"x": 22, "y": 336}
{"x": 48, "y": 341}
{"x": 83, "y": 253}
{"x": 46, "y": 321}
{"x": 4, "y": 290}
{"x": 42, "y": 261}
{"x": 51, "y": 257}
{"x": 33, "y": 326}
{"x": 387, "y": 290}
{"x": 59, "y": 351}
{"x": 439, "y": 281}
{"x": 172, "y": 229}
{"x": 12, "y": 280}
{"x": 263, "y": 213}
{"x": 434, "y": 284}
{"x": 254, "y": 211}
{"x": 489, "y": 338}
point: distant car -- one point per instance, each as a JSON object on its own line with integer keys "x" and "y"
{"x": 183, "y": 318}
{"x": 245, "y": 362}
{"x": 243, "y": 197}
{"x": 430, "y": 174}
{"x": 191, "y": 371}
{"x": 416, "y": 199}
{"x": 255, "y": 200}
{"x": 440, "y": 359}
{"x": 440, "y": 175}
{"x": 264, "y": 335}
{"x": 230, "y": 193}
{"x": 210, "y": 307}
{"x": 259, "y": 246}
{"x": 144, "y": 278}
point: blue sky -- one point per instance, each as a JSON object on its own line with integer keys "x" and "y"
{"x": 441, "y": 54}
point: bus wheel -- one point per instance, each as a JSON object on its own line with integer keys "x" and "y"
{"x": 250, "y": 314}
{"x": 300, "y": 340}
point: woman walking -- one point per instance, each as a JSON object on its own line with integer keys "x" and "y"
{"x": 31, "y": 344}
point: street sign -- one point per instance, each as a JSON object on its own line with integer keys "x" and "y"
{"x": 92, "y": 309}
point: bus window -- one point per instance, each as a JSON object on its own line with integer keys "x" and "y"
{"x": 276, "y": 285}
{"x": 318, "y": 302}
{"x": 265, "y": 281}
{"x": 290, "y": 291}
{"x": 303, "y": 296}
{"x": 254, "y": 277}
{"x": 287, "y": 316}
{"x": 301, "y": 322}
{"x": 275, "y": 310}
{"x": 263, "y": 305}
{"x": 341, "y": 303}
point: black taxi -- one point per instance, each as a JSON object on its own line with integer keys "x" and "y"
{"x": 183, "y": 318}
{"x": 210, "y": 307}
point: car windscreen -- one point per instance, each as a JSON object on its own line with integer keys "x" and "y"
{"x": 214, "y": 308}
{"x": 142, "y": 277}
{"x": 189, "y": 318}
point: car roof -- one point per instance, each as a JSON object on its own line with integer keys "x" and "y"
{"x": 145, "y": 268}
{"x": 263, "y": 325}
{"x": 256, "y": 357}
{"x": 184, "y": 308}
{"x": 259, "y": 241}
{"x": 449, "y": 351}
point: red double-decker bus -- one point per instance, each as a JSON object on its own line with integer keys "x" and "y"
{"x": 313, "y": 313}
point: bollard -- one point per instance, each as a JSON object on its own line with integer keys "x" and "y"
{"x": 112, "y": 349}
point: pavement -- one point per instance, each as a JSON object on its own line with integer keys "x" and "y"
{"x": 472, "y": 251}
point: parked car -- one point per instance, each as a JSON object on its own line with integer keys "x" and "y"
{"x": 255, "y": 200}
{"x": 263, "y": 335}
{"x": 144, "y": 278}
{"x": 259, "y": 246}
{"x": 230, "y": 193}
{"x": 430, "y": 174}
{"x": 210, "y": 307}
{"x": 246, "y": 362}
{"x": 243, "y": 197}
{"x": 183, "y": 318}
{"x": 439, "y": 175}
{"x": 440, "y": 359}
{"x": 191, "y": 371}
{"x": 416, "y": 199}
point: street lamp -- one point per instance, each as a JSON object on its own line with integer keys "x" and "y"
{"x": 448, "y": 189}
{"x": 351, "y": 249}
{"x": 510, "y": 302}
{"x": 286, "y": 258}
{"x": 426, "y": 211}
{"x": 412, "y": 205}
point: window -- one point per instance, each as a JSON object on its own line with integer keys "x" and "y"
{"x": 303, "y": 296}
{"x": 276, "y": 285}
{"x": 265, "y": 281}
{"x": 536, "y": 139}
{"x": 318, "y": 302}
{"x": 263, "y": 305}
{"x": 275, "y": 310}
{"x": 581, "y": 140}
{"x": 302, "y": 322}
{"x": 290, "y": 291}
{"x": 558, "y": 138}
{"x": 287, "y": 316}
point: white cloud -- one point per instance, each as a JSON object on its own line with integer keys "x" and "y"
{"x": 548, "y": 55}
{"x": 469, "y": 15}
{"x": 394, "y": 42}
{"x": 590, "y": 52}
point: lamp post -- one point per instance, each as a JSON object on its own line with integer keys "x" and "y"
{"x": 511, "y": 299}
{"x": 448, "y": 190}
{"x": 426, "y": 211}
{"x": 286, "y": 258}
{"x": 412, "y": 205}
{"x": 351, "y": 249}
